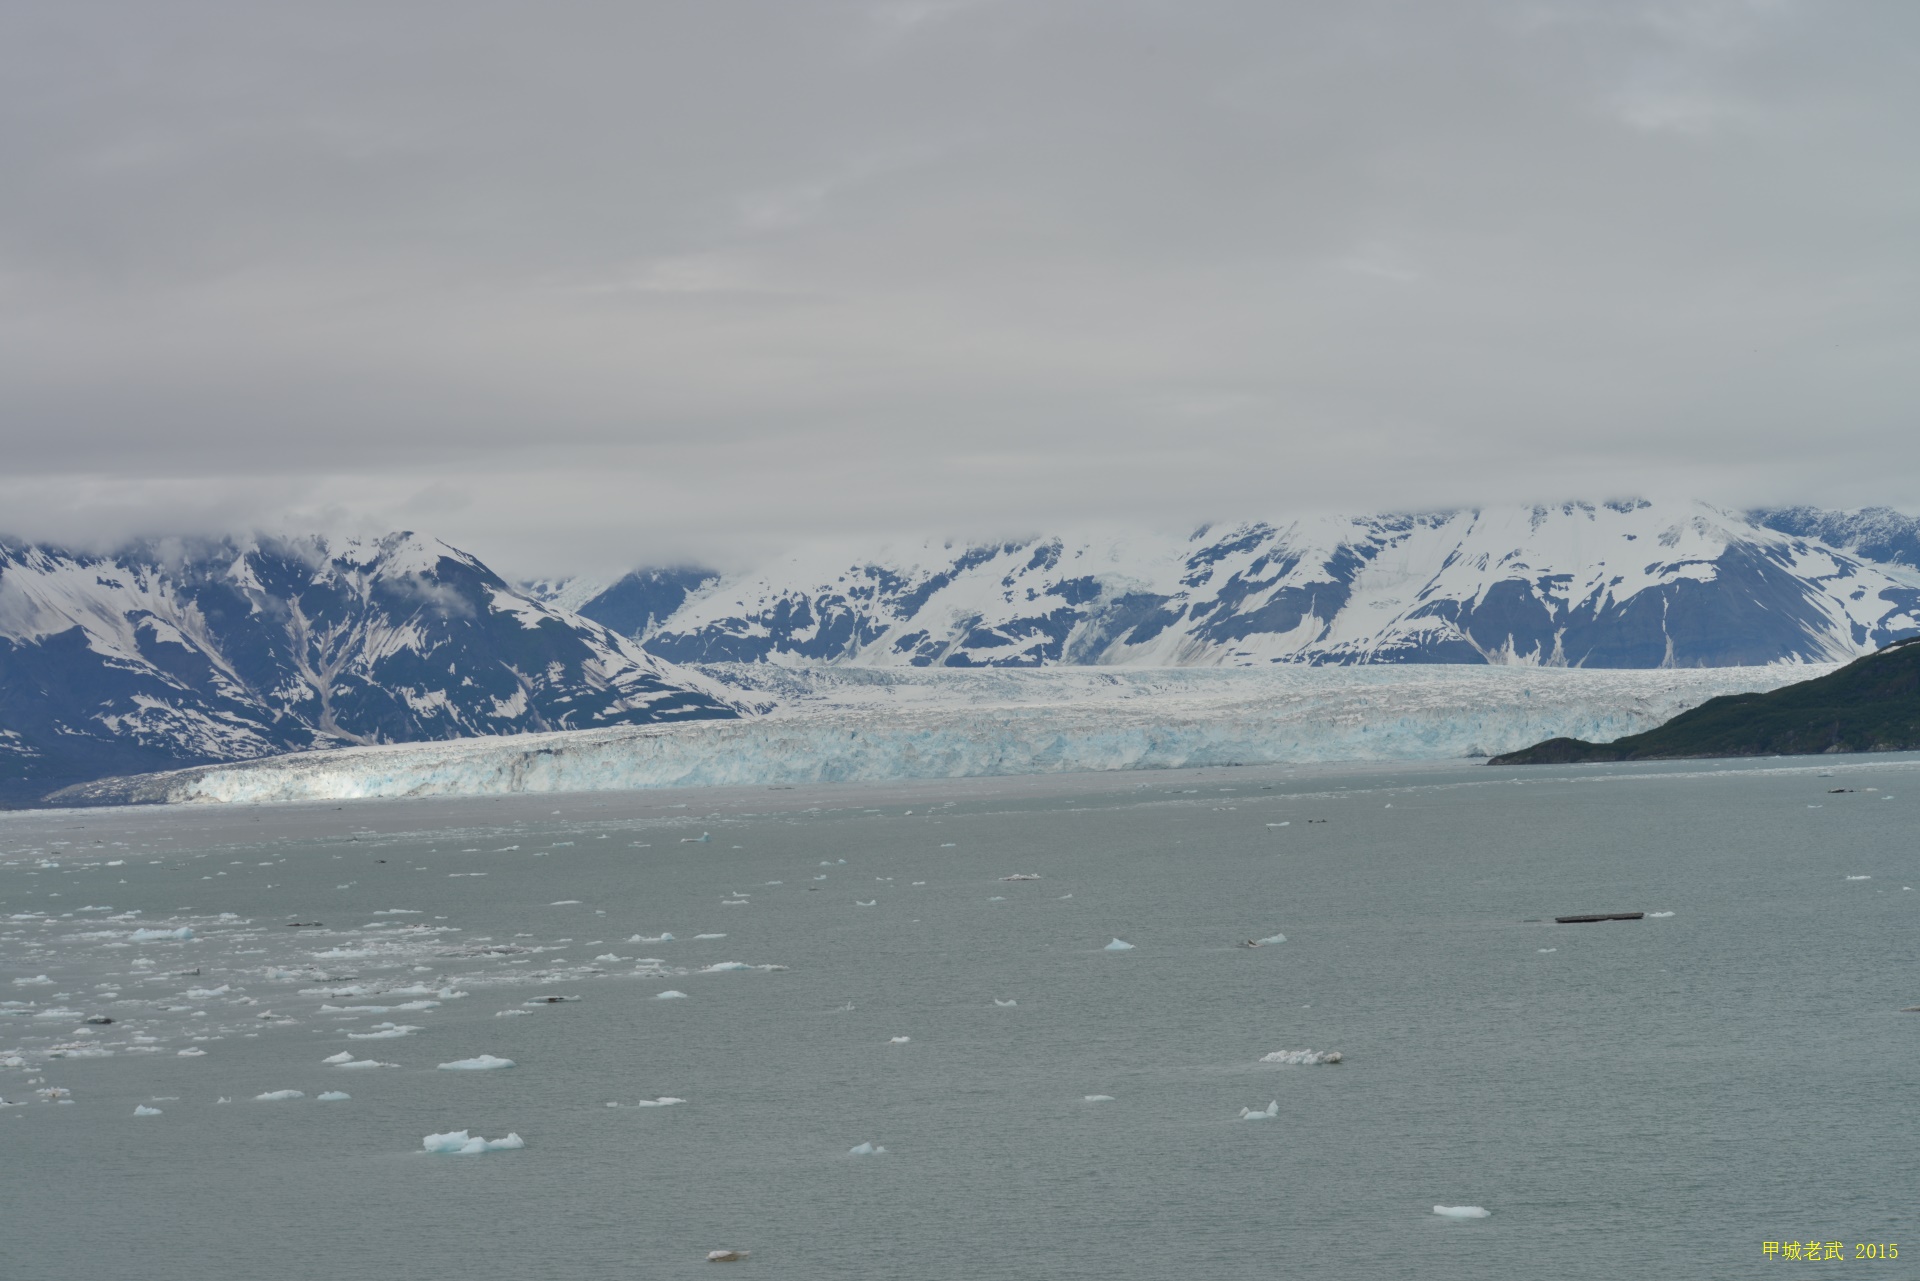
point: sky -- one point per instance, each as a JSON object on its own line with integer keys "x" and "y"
{"x": 581, "y": 286}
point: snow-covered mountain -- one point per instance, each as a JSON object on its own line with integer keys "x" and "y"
{"x": 1624, "y": 584}
{"x": 169, "y": 654}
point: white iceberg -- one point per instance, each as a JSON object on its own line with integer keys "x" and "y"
{"x": 721, "y": 967}
{"x": 664, "y": 1101}
{"x": 1302, "y": 1058}
{"x": 899, "y": 1040}
{"x": 141, "y": 1109}
{"x": 1272, "y": 1110}
{"x": 332, "y": 1096}
{"x": 38, "y": 980}
{"x": 705, "y": 936}
{"x": 1654, "y": 916}
{"x": 1004, "y": 1004}
{"x": 1462, "y": 1211}
{"x": 460, "y": 1143}
{"x": 866, "y": 1149}
{"x": 279, "y": 1096}
{"x": 1119, "y": 945}
{"x": 1271, "y": 938}
{"x": 670, "y": 995}
{"x": 1099, "y": 1098}
{"x": 384, "y": 1032}
{"x": 191, "y": 1052}
{"x": 483, "y": 1063}
{"x": 154, "y": 936}
{"x": 351, "y": 1062}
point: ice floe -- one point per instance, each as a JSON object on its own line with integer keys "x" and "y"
{"x": 1302, "y": 1058}
{"x": 279, "y": 1096}
{"x": 669, "y": 995}
{"x": 1462, "y": 1211}
{"x": 1004, "y": 1004}
{"x": 899, "y": 1040}
{"x": 460, "y": 1143}
{"x": 384, "y": 1032}
{"x": 664, "y": 1101}
{"x": 154, "y": 936}
{"x": 482, "y": 1063}
{"x": 1119, "y": 945}
{"x": 141, "y": 1109}
{"x": 332, "y": 1096}
{"x": 866, "y": 1149}
{"x": 1099, "y": 1098}
{"x": 1271, "y": 1110}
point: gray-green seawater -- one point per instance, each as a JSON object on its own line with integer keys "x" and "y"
{"x": 1648, "y": 1098}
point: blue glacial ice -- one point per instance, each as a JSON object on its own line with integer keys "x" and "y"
{"x": 843, "y": 725}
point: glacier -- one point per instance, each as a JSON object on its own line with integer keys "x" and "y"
{"x": 843, "y": 724}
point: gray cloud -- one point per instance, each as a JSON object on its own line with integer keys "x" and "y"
{"x": 581, "y": 284}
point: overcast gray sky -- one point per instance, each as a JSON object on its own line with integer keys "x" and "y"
{"x": 579, "y": 285}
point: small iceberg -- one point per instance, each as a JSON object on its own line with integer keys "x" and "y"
{"x": 1656, "y": 916}
{"x": 664, "y": 1101}
{"x": 1119, "y": 945}
{"x": 1021, "y": 876}
{"x": 1004, "y": 1004}
{"x": 722, "y": 967}
{"x": 727, "y": 1256}
{"x": 484, "y": 1063}
{"x": 141, "y": 1109}
{"x": 1302, "y": 1058}
{"x": 384, "y": 1032}
{"x": 332, "y": 1096}
{"x": 191, "y": 1052}
{"x": 154, "y": 936}
{"x": 657, "y": 938}
{"x": 697, "y": 937}
{"x": 1462, "y": 1212}
{"x": 866, "y": 1149}
{"x": 1249, "y": 1114}
{"x": 899, "y": 1040}
{"x": 1267, "y": 941}
{"x": 1099, "y": 1098}
{"x": 279, "y": 1096}
{"x": 460, "y": 1143}
{"x": 670, "y": 995}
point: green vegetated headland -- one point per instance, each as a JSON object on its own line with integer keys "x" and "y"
{"x": 1870, "y": 705}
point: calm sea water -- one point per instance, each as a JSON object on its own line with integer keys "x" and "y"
{"x": 1654, "y": 1098}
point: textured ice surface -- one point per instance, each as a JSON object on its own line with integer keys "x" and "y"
{"x": 482, "y": 1063}
{"x": 1271, "y": 1110}
{"x": 848, "y": 724}
{"x": 460, "y": 1143}
{"x": 154, "y": 936}
{"x": 866, "y": 1149}
{"x": 141, "y": 1109}
{"x": 1462, "y": 1211}
{"x": 1302, "y": 1058}
{"x": 670, "y": 995}
{"x": 332, "y": 1096}
{"x": 1119, "y": 945}
{"x": 279, "y": 1096}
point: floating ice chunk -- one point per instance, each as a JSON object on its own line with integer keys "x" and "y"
{"x": 899, "y": 1040}
{"x": 866, "y": 1149}
{"x": 1859, "y": 878}
{"x": 363, "y": 1063}
{"x": 384, "y": 1032}
{"x": 1283, "y": 824}
{"x": 701, "y": 839}
{"x": 141, "y": 1109}
{"x": 608, "y": 956}
{"x": 1004, "y": 1004}
{"x": 190, "y": 1052}
{"x": 484, "y": 1063}
{"x": 38, "y": 980}
{"x": 721, "y": 967}
{"x": 1119, "y": 945}
{"x": 664, "y": 1101}
{"x": 705, "y": 936}
{"x": 1544, "y": 950}
{"x": 1022, "y": 876}
{"x": 1654, "y": 916}
{"x": 1271, "y": 938}
{"x": 1099, "y": 1098}
{"x": 1302, "y": 1058}
{"x": 154, "y": 936}
{"x": 204, "y": 993}
{"x": 550, "y": 1000}
{"x": 1462, "y": 1211}
{"x": 867, "y": 903}
{"x": 279, "y": 1096}
{"x": 332, "y": 1096}
{"x": 1249, "y": 1114}
{"x": 345, "y": 1056}
{"x": 510, "y": 1014}
{"x": 727, "y": 1256}
{"x": 998, "y": 898}
{"x": 460, "y": 1143}
{"x": 670, "y": 995}
{"x": 564, "y": 902}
